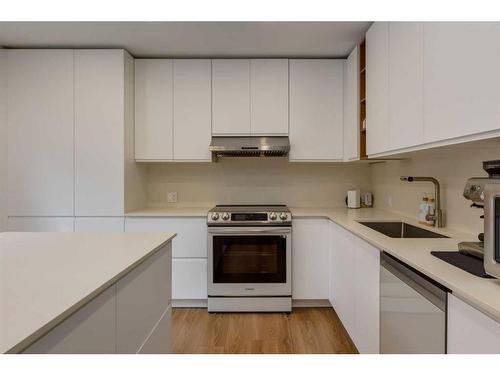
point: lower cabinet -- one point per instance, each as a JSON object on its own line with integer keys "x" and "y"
{"x": 355, "y": 287}
{"x": 99, "y": 224}
{"x": 470, "y": 331}
{"x": 189, "y": 249}
{"x": 189, "y": 279}
{"x": 131, "y": 316}
{"x": 41, "y": 224}
{"x": 310, "y": 255}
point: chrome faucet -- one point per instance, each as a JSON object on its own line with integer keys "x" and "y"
{"x": 437, "y": 218}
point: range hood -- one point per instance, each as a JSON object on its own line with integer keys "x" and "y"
{"x": 249, "y": 147}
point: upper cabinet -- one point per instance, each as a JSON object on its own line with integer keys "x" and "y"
{"x": 461, "y": 79}
{"x": 250, "y": 97}
{"x": 231, "y": 97}
{"x": 153, "y": 109}
{"x": 377, "y": 88}
{"x": 269, "y": 96}
{"x": 99, "y": 132}
{"x": 172, "y": 110}
{"x": 351, "y": 108}
{"x": 405, "y": 84}
{"x": 40, "y": 132}
{"x": 431, "y": 84}
{"x": 192, "y": 110}
{"x": 316, "y": 110}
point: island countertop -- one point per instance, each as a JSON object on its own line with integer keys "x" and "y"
{"x": 45, "y": 277}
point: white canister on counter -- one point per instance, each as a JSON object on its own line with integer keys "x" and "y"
{"x": 354, "y": 198}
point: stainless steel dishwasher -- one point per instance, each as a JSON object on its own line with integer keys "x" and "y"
{"x": 412, "y": 310}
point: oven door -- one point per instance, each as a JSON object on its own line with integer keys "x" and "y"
{"x": 253, "y": 261}
{"x": 492, "y": 229}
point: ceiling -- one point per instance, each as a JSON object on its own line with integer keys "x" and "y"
{"x": 191, "y": 39}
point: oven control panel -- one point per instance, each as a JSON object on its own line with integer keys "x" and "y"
{"x": 233, "y": 216}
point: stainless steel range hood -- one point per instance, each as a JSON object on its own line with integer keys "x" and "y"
{"x": 249, "y": 147}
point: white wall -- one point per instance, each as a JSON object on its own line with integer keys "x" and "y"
{"x": 3, "y": 141}
{"x": 255, "y": 181}
{"x": 452, "y": 167}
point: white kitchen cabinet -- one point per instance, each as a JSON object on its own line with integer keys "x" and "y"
{"x": 191, "y": 239}
{"x": 354, "y": 287}
{"x": 367, "y": 294}
{"x": 99, "y": 132}
{"x": 159, "y": 341}
{"x": 192, "y": 123}
{"x": 142, "y": 297}
{"x": 461, "y": 79}
{"x": 100, "y": 224}
{"x": 406, "y": 127}
{"x": 377, "y": 88}
{"x": 189, "y": 278}
{"x": 316, "y": 110}
{"x": 351, "y": 106}
{"x": 310, "y": 259}
{"x": 91, "y": 330}
{"x": 469, "y": 330}
{"x": 342, "y": 280}
{"x": 41, "y": 224}
{"x": 269, "y": 96}
{"x": 40, "y": 132}
{"x": 230, "y": 96}
{"x": 153, "y": 109}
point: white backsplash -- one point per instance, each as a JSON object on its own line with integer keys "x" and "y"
{"x": 255, "y": 181}
{"x": 452, "y": 167}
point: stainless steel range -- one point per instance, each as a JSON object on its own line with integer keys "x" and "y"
{"x": 249, "y": 258}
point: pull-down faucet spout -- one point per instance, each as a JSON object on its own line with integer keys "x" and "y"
{"x": 437, "y": 218}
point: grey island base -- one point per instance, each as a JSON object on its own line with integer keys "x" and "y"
{"x": 85, "y": 293}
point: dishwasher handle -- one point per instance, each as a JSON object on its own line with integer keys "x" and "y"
{"x": 426, "y": 287}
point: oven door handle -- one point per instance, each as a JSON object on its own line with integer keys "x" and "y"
{"x": 249, "y": 230}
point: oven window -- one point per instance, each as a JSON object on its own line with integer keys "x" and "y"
{"x": 249, "y": 259}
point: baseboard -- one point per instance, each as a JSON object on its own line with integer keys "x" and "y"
{"x": 310, "y": 303}
{"x": 196, "y": 303}
{"x": 202, "y": 303}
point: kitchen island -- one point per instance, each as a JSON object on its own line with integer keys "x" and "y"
{"x": 85, "y": 293}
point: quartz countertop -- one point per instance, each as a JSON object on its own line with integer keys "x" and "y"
{"x": 483, "y": 294}
{"x": 45, "y": 277}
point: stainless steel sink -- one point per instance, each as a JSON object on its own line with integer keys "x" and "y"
{"x": 399, "y": 229}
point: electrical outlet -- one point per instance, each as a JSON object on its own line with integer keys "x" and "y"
{"x": 172, "y": 197}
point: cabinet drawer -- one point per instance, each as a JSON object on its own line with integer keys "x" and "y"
{"x": 191, "y": 240}
{"x": 189, "y": 278}
{"x": 99, "y": 224}
{"x": 40, "y": 224}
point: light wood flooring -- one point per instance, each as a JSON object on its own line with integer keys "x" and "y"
{"x": 305, "y": 330}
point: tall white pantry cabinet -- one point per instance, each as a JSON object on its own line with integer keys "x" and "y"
{"x": 69, "y": 134}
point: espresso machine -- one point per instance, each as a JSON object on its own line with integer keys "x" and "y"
{"x": 475, "y": 191}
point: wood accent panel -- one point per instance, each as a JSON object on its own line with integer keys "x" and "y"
{"x": 305, "y": 330}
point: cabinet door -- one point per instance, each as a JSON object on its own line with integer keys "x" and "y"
{"x": 189, "y": 278}
{"x": 40, "y": 132}
{"x": 90, "y": 330}
{"x": 377, "y": 88}
{"x": 310, "y": 259}
{"x": 351, "y": 106}
{"x": 316, "y": 109}
{"x": 230, "y": 96}
{"x": 99, "y": 224}
{"x": 99, "y": 132}
{"x": 406, "y": 84}
{"x": 41, "y": 224}
{"x": 142, "y": 296}
{"x": 192, "y": 109}
{"x": 153, "y": 109}
{"x": 191, "y": 239}
{"x": 343, "y": 263}
{"x": 462, "y": 80}
{"x": 269, "y": 96}
{"x": 470, "y": 331}
{"x": 367, "y": 295}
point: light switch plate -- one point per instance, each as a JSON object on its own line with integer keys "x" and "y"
{"x": 172, "y": 197}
